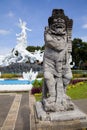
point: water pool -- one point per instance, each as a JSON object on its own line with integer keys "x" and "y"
{"x": 13, "y": 81}
{"x": 15, "y": 85}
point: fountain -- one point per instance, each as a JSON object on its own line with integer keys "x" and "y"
{"x": 31, "y": 76}
{"x": 19, "y": 54}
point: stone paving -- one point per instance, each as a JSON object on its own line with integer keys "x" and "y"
{"x": 82, "y": 104}
{"x": 5, "y": 104}
{"x": 15, "y": 110}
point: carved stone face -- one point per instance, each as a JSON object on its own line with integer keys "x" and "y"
{"x": 58, "y": 27}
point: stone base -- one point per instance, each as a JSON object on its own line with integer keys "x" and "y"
{"x": 63, "y": 125}
{"x": 75, "y": 114}
{"x": 37, "y": 124}
{"x": 69, "y": 120}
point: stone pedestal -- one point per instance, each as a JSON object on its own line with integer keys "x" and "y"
{"x": 63, "y": 125}
{"x": 36, "y": 123}
{"x": 75, "y": 114}
{"x": 68, "y": 120}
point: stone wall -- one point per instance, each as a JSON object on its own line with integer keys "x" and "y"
{"x": 21, "y": 67}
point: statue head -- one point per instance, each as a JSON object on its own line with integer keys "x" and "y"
{"x": 58, "y": 22}
{"x": 58, "y": 26}
{"x": 22, "y": 24}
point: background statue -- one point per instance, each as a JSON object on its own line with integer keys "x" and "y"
{"x": 22, "y": 37}
{"x": 19, "y": 54}
{"x": 57, "y": 72}
{"x": 20, "y": 49}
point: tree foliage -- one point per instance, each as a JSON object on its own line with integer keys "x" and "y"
{"x": 79, "y": 51}
{"x": 33, "y": 48}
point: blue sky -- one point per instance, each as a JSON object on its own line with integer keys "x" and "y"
{"x": 36, "y": 13}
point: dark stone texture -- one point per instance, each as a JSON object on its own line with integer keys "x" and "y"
{"x": 59, "y": 13}
{"x": 20, "y": 68}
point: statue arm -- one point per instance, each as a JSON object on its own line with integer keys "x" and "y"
{"x": 28, "y": 29}
{"x": 50, "y": 41}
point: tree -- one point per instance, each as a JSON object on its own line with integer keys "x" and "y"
{"x": 79, "y": 51}
{"x": 33, "y": 48}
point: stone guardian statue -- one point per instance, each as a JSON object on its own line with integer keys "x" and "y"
{"x": 55, "y": 104}
{"x": 57, "y": 71}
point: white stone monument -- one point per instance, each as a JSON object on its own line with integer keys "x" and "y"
{"x": 31, "y": 75}
{"x": 19, "y": 53}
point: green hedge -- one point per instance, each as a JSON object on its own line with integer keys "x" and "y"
{"x": 9, "y": 76}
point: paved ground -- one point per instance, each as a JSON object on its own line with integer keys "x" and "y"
{"x": 82, "y": 104}
{"x": 14, "y": 110}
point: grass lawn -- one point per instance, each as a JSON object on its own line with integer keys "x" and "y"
{"x": 78, "y": 92}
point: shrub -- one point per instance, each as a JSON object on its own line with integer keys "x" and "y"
{"x": 36, "y": 90}
{"x": 79, "y": 75}
{"x": 37, "y": 83}
{"x": 78, "y": 84}
{"x": 37, "y": 86}
{"x": 8, "y": 75}
{"x": 74, "y": 81}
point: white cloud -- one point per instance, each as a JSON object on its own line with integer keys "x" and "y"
{"x": 84, "y": 26}
{"x": 84, "y": 38}
{"x": 4, "y": 32}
